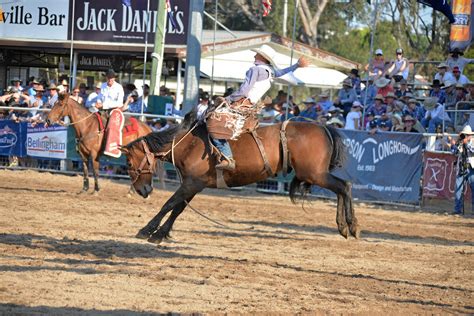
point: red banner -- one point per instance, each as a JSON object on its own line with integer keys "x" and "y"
{"x": 439, "y": 175}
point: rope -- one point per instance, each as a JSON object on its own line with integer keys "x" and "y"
{"x": 82, "y": 119}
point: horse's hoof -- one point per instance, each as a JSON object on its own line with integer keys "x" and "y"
{"x": 344, "y": 231}
{"x": 82, "y": 192}
{"x": 355, "y": 231}
{"x": 155, "y": 240}
{"x": 142, "y": 235}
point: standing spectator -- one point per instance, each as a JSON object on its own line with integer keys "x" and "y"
{"x": 133, "y": 104}
{"x": 64, "y": 86}
{"x": 92, "y": 99}
{"x": 435, "y": 114}
{"x": 457, "y": 60}
{"x": 53, "y": 95}
{"x": 33, "y": 86}
{"x": 377, "y": 65}
{"x": 346, "y": 96}
{"x": 324, "y": 102}
{"x": 464, "y": 151}
{"x": 399, "y": 69}
{"x": 458, "y": 77}
{"x": 355, "y": 79}
{"x": 437, "y": 92}
{"x": 75, "y": 95}
{"x": 383, "y": 86}
{"x": 16, "y": 82}
{"x": 203, "y": 104}
{"x": 371, "y": 91}
{"x": 310, "y": 111}
{"x": 83, "y": 91}
{"x": 353, "y": 119}
{"x": 443, "y": 75}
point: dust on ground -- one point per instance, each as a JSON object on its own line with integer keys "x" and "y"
{"x": 63, "y": 253}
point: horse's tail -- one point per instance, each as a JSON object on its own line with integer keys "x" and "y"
{"x": 339, "y": 153}
{"x": 296, "y": 187}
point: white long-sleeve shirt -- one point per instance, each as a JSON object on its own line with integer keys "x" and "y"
{"x": 111, "y": 97}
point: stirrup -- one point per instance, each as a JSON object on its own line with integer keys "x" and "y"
{"x": 226, "y": 164}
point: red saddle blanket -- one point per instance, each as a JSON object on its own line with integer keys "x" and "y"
{"x": 131, "y": 127}
{"x": 114, "y": 133}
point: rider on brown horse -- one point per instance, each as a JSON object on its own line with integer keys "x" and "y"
{"x": 257, "y": 82}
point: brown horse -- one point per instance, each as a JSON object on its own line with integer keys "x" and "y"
{"x": 314, "y": 151}
{"x": 89, "y": 134}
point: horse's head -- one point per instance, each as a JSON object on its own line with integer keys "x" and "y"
{"x": 141, "y": 166}
{"x": 59, "y": 110}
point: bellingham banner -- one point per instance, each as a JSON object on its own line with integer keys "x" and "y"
{"x": 382, "y": 166}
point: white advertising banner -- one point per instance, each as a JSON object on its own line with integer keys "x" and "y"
{"x": 27, "y": 19}
{"x": 48, "y": 142}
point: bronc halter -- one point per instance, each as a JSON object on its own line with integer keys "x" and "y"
{"x": 148, "y": 158}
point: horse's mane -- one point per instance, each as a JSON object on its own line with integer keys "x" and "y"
{"x": 157, "y": 140}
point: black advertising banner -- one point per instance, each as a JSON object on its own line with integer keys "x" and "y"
{"x": 126, "y": 21}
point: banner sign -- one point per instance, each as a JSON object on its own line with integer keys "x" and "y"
{"x": 126, "y": 21}
{"x": 439, "y": 176}
{"x": 462, "y": 29}
{"x": 45, "y": 19}
{"x": 383, "y": 166}
{"x": 12, "y": 138}
{"x": 48, "y": 142}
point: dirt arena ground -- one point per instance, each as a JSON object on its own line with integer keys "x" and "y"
{"x": 65, "y": 254}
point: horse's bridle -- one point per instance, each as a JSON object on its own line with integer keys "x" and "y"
{"x": 148, "y": 158}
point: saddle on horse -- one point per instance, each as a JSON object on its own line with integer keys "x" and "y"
{"x": 118, "y": 127}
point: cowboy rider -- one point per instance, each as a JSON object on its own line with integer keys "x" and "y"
{"x": 257, "y": 82}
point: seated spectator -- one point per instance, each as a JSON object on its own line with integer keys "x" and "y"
{"x": 397, "y": 123}
{"x": 310, "y": 111}
{"x": 397, "y": 108}
{"x": 403, "y": 89}
{"x": 353, "y": 119}
{"x": 399, "y": 68}
{"x": 457, "y": 60}
{"x": 450, "y": 92}
{"x": 458, "y": 77}
{"x": 443, "y": 74}
{"x": 133, "y": 104}
{"x": 460, "y": 92}
{"x": 335, "y": 122}
{"x": 384, "y": 126}
{"x": 379, "y": 107}
{"x": 437, "y": 92}
{"x": 408, "y": 124}
{"x": 470, "y": 91}
{"x": 383, "y": 86}
{"x": 337, "y": 113}
{"x": 435, "y": 114}
{"x": 372, "y": 127}
{"x": 346, "y": 96}
{"x": 324, "y": 102}
{"x": 385, "y": 118}
{"x": 92, "y": 99}
{"x": 369, "y": 92}
{"x": 414, "y": 110}
{"x": 377, "y": 65}
{"x": 390, "y": 99}
{"x": 282, "y": 116}
{"x": 268, "y": 113}
{"x": 355, "y": 79}
{"x": 75, "y": 95}
{"x": 370, "y": 117}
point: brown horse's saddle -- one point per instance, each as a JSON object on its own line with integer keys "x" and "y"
{"x": 130, "y": 126}
{"x": 230, "y": 121}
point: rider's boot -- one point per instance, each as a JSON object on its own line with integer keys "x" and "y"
{"x": 226, "y": 164}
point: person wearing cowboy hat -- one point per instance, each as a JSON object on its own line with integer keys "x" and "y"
{"x": 443, "y": 74}
{"x": 384, "y": 86}
{"x": 53, "y": 95}
{"x": 92, "y": 98}
{"x": 16, "y": 82}
{"x": 399, "y": 68}
{"x": 310, "y": 111}
{"x": 456, "y": 59}
{"x": 450, "y": 91}
{"x": 346, "y": 96}
{"x": 463, "y": 148}
{"x": 435, "y": 114}
{"x": 258, "y": 80}
{"x": 111, "y": 93}
{"x": 378, "y": 107}
{"x": 437, "y": 92}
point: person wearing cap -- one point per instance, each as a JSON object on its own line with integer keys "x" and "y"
{"x": 346, "y": 96}
{"x": 53, "y": 95}
{"x": 458, "y": 60}
{"x": 92, "y": 98}
{"x": 353, "y": 118}
{"x": 203, "y": 104}
{"x": 458, "y": 76}
{"x": 443, "y": 74}
{"x": 399, "y": 68}
{"x": 384, "y": 86}
{"x": 16, "y": 82}
{"x": 75, "y": 95}
{"x": 437, "y": 92}
{"x": 376, "y": 67}
{"x": 463, "y": 148}
{"x": 258, "y": 80}
{"x": 435, "y": 114}
{"x": 310, "y": 111}
{"x": 133, "y": 104}
{"x": 111, "y": 93}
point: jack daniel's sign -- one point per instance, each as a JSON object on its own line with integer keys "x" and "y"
{"x": 116, "y": 21}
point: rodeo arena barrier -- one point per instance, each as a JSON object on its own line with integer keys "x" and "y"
{"x": 384, "y": 167}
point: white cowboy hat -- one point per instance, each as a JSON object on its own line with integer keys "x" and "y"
{"x": 467, "y": 130}
{"x": 266, "y": 52}
{"x": 309, "y": 100}
{"x": 382, "y": 82}
{"x": 448, "y": 83}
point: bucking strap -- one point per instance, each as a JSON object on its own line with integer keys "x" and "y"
{"x": 284, "y": 146}
{"x": 266, "y": 164}
{"x": 220, "y": 182}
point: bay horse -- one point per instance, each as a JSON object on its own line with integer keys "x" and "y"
{"x": 89, "y": 134}
{"x": 314, "y": 151}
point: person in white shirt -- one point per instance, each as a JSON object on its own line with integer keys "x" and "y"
{"x": 458, "y": 77}
{"x": 435, "y": 114}
{"x": 111, "y": 93}
{"x": 400, "y": 68}
{"x": 92, "y": 98}
{"x": 458, "y": 60}
{"x": 443, "y": 75}
{"x": 354, "y": 116}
